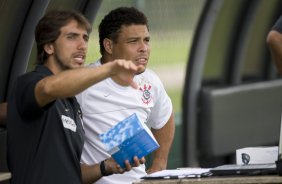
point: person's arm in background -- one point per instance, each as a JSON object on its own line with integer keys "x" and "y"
{"x": 3, "y": 114}
{"x": 274, "y": 41}
{"x": 164, "y": 136}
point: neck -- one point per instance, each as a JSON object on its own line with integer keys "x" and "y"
{"x": 119, "y": 82}
{"x": 53, "y": 66}
{"x": 106, "y": 58}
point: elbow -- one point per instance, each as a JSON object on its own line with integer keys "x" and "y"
{"x": 273, "y": 37}
{"x": 44, "y": 93}
{"x": 45, "y": 88}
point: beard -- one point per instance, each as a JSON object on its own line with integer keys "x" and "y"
{"x": 59, "y": 62}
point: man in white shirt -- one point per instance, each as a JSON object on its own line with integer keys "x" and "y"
{"x": 124, "y": 34}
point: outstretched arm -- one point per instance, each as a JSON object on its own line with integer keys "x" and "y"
{"x": 164, "y": 136}
{"x": 71, "y": 82}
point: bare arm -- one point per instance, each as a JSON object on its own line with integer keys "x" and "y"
{"x": 274, "y": 41}
{"x": 92, "y": 173}
{"x": 164, "y": 136}
{"x": 71, "y": 82}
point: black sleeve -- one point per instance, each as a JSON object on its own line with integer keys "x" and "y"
{"x": 25, "y": 97}
{"x": 278, "y": 25}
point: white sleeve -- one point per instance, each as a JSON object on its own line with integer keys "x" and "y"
{"x": 162, "y": 109}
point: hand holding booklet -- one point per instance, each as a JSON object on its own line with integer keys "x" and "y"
{"x": 129, "y": 138}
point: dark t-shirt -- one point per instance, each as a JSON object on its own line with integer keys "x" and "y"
{"x": 278, "y": 25}
{"x": 44, "y": 144}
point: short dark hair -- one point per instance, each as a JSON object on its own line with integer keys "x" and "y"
{"x": 48, "y": 29}
{"x": 115, "y": 19}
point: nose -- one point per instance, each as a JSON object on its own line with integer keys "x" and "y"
{"x": 143, "y": 47}
{"x": 83, "y": 44}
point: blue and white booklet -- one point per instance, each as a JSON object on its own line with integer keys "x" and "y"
{"x": 129, "y": 138}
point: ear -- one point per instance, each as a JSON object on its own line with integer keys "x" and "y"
{"x": 108, "y": 45}
{"x": 49, "y": 49}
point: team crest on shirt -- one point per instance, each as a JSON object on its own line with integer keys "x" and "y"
{"x": 145, "y": 88}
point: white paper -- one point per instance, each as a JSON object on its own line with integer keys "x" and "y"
{"x": 180, "y": 173}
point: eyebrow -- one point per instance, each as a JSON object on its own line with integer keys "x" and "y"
{"x": 137, "y": 37}
{"x": 75, "y": 33}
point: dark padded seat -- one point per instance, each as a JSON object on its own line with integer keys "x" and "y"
{"x": 239, "y": 116}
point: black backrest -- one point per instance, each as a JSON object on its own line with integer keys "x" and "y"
{"x": 236, "y": 117}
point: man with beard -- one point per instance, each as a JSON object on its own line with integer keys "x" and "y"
{"x": 44, "y": 120}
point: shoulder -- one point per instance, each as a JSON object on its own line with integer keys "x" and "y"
{"x": 38, "y": 73}
{"x": 94, "y": 64}
{"x": 150, "y": 80}
{"x": 151, "y": 76}
{"x": 31, "y": 76}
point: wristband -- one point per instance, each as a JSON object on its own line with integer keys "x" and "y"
{"x": 103, "y": 169}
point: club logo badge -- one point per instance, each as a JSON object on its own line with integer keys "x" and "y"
{"x": 146, "y": 96}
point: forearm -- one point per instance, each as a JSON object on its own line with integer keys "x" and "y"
{"x": 72, "y": 82}
{"x": 69, "y": 83}
{"x": 164, "y": 136}
{"x": 90, "y": 173}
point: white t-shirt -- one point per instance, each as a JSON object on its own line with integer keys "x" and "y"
{"x": 106, "y": 103}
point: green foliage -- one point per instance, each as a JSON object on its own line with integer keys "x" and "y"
{"x": 176, "y": 98}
